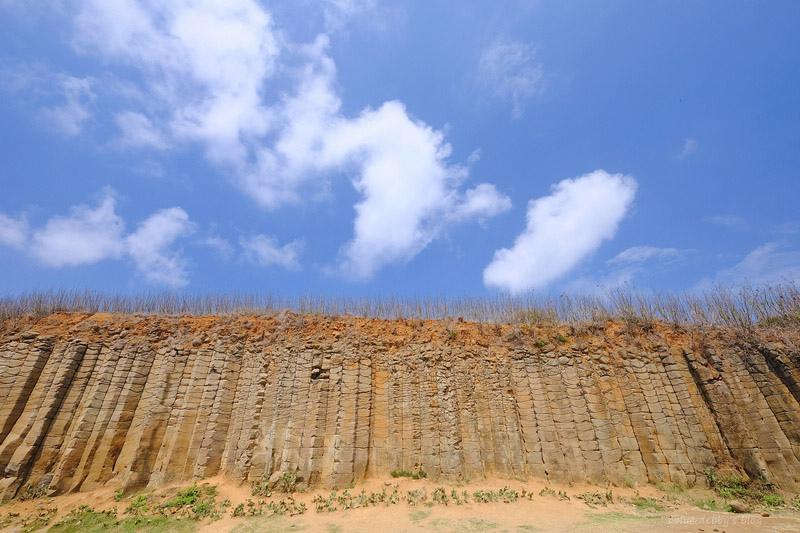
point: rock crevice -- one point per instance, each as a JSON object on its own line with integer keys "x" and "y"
{"x": 137, "y": 401}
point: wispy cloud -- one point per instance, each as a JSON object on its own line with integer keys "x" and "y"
{"x": 769, "y": 263}
{"x": 510, "y": 72}
{"x": 207, "y": 69}
{"x": 70, "y": 116}
{"x": 727, "y": 221}
{"x": 13, "y": 232}
{"x": 222, "y": 246}
{"x": 63, "y": 102}
{"x": 690, "y": 146}
{"x": 641, "y": 254}
{"x": 265, "y": 250}
{"x": 562, "y": 229}
{"x": 90, "y": 234}
{"x": 339, "y": 12}
{"x": 475, "y": 156}
{"x": 138, "y": 131}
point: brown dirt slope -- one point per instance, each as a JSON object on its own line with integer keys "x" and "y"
{"x": 87, "y": 401}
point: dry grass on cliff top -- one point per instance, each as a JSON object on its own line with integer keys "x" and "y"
{"x": 743, "y": 308}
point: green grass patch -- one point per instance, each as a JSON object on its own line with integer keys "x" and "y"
{"x": 731, "y": 486}
{"x": 647, "y": 504}
{"x": 416, "y": 516}
{"x": 85, "y": 519}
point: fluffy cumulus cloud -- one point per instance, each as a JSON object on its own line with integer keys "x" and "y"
{"x": 510, "y": 72}
{"x": 90, "y": 234}
{"x": 87, "y": 235}
{"x": 218, "y": 74}
{"x": 409, "y": 191}
{"x": 209, "y": 65}
{"x": 265, "y": 250}
{"x": 148, "y": 246}
{"x": 562, "y": 229}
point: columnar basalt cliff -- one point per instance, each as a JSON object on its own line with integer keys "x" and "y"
{"x": 136, "y": 401}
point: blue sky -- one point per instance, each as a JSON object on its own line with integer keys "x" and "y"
{"x": 398, "y": 147}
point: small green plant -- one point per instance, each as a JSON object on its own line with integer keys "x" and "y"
{"x": 31, "y": 492}
{"x": 261, "y": 487}
{"x": 547, "y": 491}
{"x": 138, "y": 506}
{"x": 118, "y": 495}
{"x": 485, "y": 496}
{"x": 772, "y": 500}
{"x": 795, "y": 503}
{"x": 593, "y": 499}
{"x": 419, "y": 474}
{"x": 508, "y": 495}
{"x": 187, "y": 496}
{"x": 197, "y": 503}
{"x": 440, "y": 496}
{"x": 643, "y": 503}
{"x": 731, "y": 486}
{"x": 708, "y": 504}
{"x": 540, "y": 343}
{"x": 324, "y": 504}
{"x": 288, "y": 482}
{"x": 84, "y": 518}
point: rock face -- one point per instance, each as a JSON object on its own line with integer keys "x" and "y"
{"x": 93, "y": 400}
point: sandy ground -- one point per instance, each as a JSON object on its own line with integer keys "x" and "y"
{"x": 542, "y": 513}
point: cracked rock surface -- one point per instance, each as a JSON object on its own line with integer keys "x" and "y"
{"x": 88, "y": 400}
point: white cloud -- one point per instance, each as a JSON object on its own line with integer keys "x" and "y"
{"x": 480, "y": 202}
{"x": 139, "y": 132}
{"x": 265, "y": 250}
{"x": 640, "y": 254}
{"x": 510, "y": 72}
{"x": 70, "y": 116}
{"x": 205, "y": 64}
{"x": 409, "y": 191}
{"x": 208, "y": 68}
{"x": 400, "y": 167}
{"x": 562, "y": 229}
{"x": 338, "y": 12}
{"x": 13, "y": 233}
{"x": 63, "y": 102}
{"x": 689, "y": 147}
{"x": 222, "y": 246}
{"x": 93, "y": 234}
{"x": 769, "y": 263}
{"x": 87, "y": 236}
{"x": 475, "y": 156}
{"x": 727, "y": 221}
{"x": 148, "y": 246}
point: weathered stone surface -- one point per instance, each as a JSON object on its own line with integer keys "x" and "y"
{"x": 93, "y": 400}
